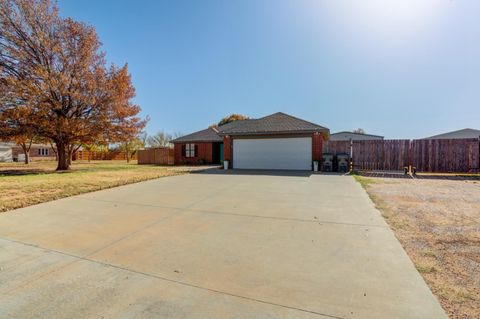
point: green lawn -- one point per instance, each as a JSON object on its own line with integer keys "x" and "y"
{"x": 23, "y": 185}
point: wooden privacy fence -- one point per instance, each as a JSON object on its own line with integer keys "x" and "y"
{"x": 454, "y": 155}
{"x": 159, "y": 156}
{"x": 448, "y": 155}
{"x": 103, "y": 155}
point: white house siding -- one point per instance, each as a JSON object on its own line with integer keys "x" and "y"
{"x": 6, "y": 153}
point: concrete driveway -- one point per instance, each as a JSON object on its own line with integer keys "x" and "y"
{"x": 210, "y": 245}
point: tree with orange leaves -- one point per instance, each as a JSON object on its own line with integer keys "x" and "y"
{"x": 22, "y": 134}
{"x": 54, "y": 80}
{"x": 232, "y": 118}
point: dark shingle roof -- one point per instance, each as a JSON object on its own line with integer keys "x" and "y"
{"x": 280, "y": 123}
{"x": 207, "y": 135}
{"x": 464, "y": 133}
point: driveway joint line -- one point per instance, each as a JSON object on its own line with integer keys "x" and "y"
{"x": 156, "y": 222}
{"x": 188, "y": 209}
{"x": 178, "y": 282}
{"x": 116, "y": 241}
{"x": 179, "y": 211}
{"x": 319, "y": 221}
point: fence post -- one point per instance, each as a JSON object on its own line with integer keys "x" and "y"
{"x": 351, "y": 155}
{"x": 410, "y": 153}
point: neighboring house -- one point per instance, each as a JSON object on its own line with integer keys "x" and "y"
{"x": 37, "y": 152}
{"x": 277, "y": 141}
{"x": 465, "y": 133}
{"x": 347, "y": 136}
{"x": 6, "y": 152}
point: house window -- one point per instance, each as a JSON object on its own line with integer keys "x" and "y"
{"x": 190, "y": 150}
{"x": 43, "y": 152}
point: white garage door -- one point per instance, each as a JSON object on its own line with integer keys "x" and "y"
{"x": 273, "y": 153}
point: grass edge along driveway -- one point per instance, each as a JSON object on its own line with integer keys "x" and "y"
{"x": 24, "y": 185}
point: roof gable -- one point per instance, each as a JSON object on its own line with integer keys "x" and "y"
{"x": 275, "y": 123}
{"x": 208, "y": 135}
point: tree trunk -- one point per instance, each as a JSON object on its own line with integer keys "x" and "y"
{"x": 54, "y": 150}
{"x": 70, "y": 155}
{"x": 26, "y": 152}
{"x": 63, "y": 164}
{"x": 127, "y": 153}
{"x": 74, "y": 155}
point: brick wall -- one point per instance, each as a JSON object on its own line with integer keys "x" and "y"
{"x": 317, "y": 144}
{"x": 227, "y": 150}
{"x": 202, "y": 156}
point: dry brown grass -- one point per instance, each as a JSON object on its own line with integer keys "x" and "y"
{"x": 438, "y": 224}
{"x": 23, "y": 185}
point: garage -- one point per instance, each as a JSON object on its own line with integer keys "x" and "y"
{"x": 294, "y": 153}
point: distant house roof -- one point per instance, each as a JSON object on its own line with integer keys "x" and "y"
{"x": 35, "y": 145}
{"x": 277, "y": 123}
{"x": 6, "y": 144}
{"x": 208, "y": 135}
{"x": 464, "y": 133}
{"x": 347, "y": 136}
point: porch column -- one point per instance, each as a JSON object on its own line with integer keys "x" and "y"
{"x": 317, "y": 145}
{"x": 227, "y": 150}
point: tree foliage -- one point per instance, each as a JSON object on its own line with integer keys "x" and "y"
{"x": 232, "y": 118}
{"x": 54, "y": 79}
{"x": 359, "y": 131}
{"x": 25, "y": 139}
{"x": 130, "y": 147}
{"x": 161, "y": 139}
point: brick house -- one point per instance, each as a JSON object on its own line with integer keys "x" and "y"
{"x": 277, "y": 141}
{"x": 37, "y": 152}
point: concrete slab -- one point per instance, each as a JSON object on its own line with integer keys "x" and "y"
{"x": 77, "y": 225}
{"x": 82, "y": 288}
{"x": 178, "y": 192}
{"x": 241, "y": 245}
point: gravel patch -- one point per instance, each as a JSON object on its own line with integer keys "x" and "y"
{"x": 438, "y": 224}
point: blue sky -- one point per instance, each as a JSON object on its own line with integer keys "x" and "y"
{"x": 399, "y": 68}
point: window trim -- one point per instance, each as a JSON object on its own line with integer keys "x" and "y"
{"x": 42, "y": 152}
{"x": 190, "y": 150}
